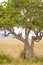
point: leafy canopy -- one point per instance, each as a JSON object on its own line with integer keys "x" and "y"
{"x": 22, "y": 13}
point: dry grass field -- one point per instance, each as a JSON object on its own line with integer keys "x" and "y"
{"x": 11, "y": 47}
{"x": 14, "y": 47}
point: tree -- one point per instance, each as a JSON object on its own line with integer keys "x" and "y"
{"x": 27, "y": 14}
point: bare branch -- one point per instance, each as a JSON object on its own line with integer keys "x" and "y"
{"x": 38, "y": 37}
{"x": 19, "y": 36}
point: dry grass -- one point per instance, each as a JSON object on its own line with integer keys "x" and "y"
{"x": 26, "y": 64}
{"x": 38, "y": 48}
{"x": 13, "y": 47}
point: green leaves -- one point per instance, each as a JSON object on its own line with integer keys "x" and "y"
{"x": 11, "y": 15}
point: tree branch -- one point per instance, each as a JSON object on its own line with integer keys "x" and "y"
{"x": 19, "y": 36}
{"x": 38, "y": 37}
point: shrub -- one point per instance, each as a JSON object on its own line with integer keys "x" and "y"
{"x": 38, "y": 59}
{"x": 5, "y": 58}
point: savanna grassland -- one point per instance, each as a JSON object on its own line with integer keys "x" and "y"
{"x": 14, "y": 47}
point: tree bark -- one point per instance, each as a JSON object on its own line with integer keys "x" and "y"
{"x": 30, "y": 50}
{"x": 29, "y": 47}
{"x": 31, "y": 53}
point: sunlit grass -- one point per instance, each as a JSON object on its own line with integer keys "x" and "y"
{"x": 14, "y": 49}
{"x": 6, "y": 59}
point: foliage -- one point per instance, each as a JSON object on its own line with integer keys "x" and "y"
{"x": 18, "y": 61}
{"x": 12, "y": 15}
{"x": 5, "y": 58}
{"x": 38, "y": 59}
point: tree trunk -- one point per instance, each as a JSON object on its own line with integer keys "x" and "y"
{"x": 30, "y": 50}
{"x": 29, "y": 47}
{"x": 24, "y": 53}
{"x": 31, "y": 53}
